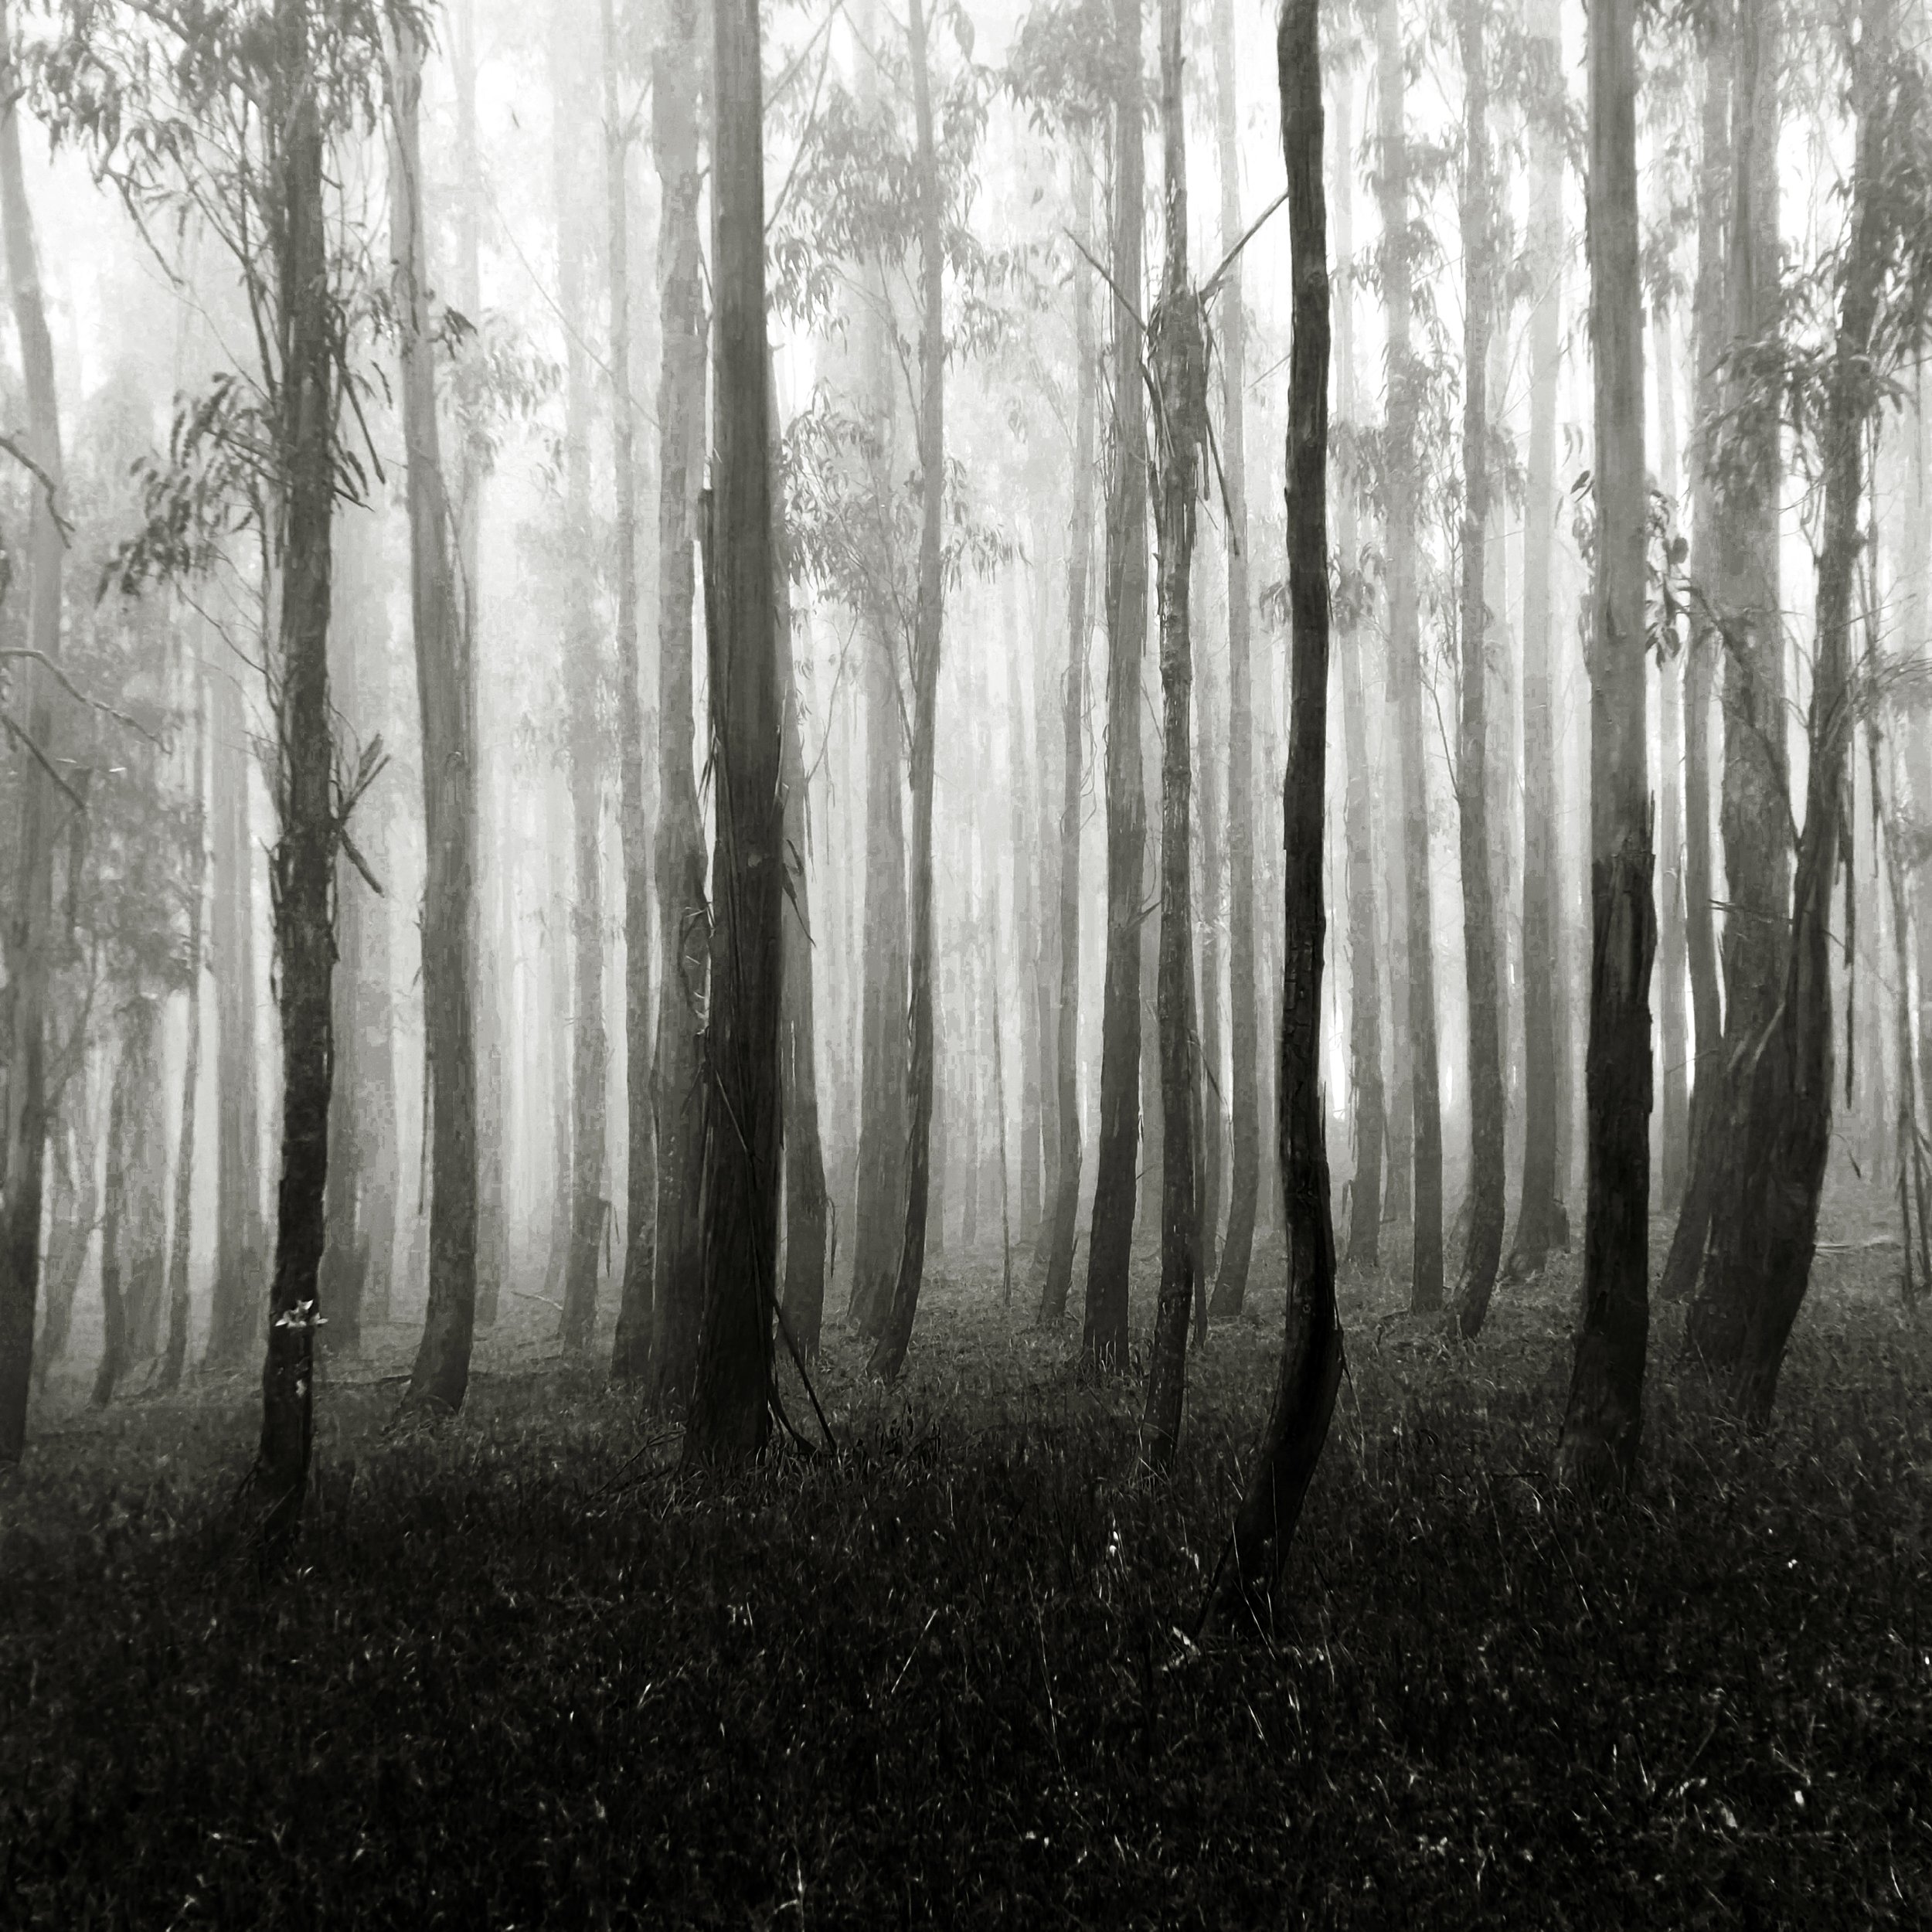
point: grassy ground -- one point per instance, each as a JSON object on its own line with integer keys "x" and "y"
{"x": 523, "y": 1675}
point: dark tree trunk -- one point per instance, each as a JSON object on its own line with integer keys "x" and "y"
{"x": 1601, "y": 1425}
{"x": 888, "y": 1355}
{"x": 1405, "y": 666}
{"x": 113, "y": 1241}
{"x": 730, "y": 1412}
{"x": 1104, "y": 1337}
{"x": 196, "y": 841}
{"x": 1673, "y": 1057}
{"x": 29, "y": 917}
{"x": 684, "y": 923}
{"x": 445, "y": 699}
{"x": 1544, "y": 1002}
{"x": 304, "y": 854}
{"x": 1311, "y": 1370}
{"x": 1079, "y": 547}
{"x": 1177, "y": 344}
{"x": 1487, "y": 1181}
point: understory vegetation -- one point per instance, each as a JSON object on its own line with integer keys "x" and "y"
{"x": 520, "y": 1671}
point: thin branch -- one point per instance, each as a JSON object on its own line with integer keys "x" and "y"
{"x": 1228, "y": 260}
{"x": 80, "y": 696}
{"x": 40, "y": 759}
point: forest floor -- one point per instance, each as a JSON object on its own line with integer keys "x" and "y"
{"x": 522, "y": 1674}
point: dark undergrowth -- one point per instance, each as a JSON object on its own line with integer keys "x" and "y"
{"x": 522, "y": 1674}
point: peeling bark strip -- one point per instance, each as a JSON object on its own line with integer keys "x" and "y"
{"x": 730, "y": 1413}
{"x": 1311, "y": 1349}
{"x": 1598, "y": 1448}
{"x": 1104, "y": 1337}
{"x": 29, "y": 931}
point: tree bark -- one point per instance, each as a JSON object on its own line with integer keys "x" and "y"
{"x": 1312, "y": 1356}
{"x": 729, "y": 1419}
{"x": 1104, "y": 1337}
{"x": 445, "y": 699}
{"x": 889, "y": 1354}
{"x": 1673, "y": 1124}
{"x": 114, "y": 1220}
{"x": 1177, "y": 343}
{"x": 1598, "y": 1446}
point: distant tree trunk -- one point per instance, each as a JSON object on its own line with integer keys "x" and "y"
{"x": 1544, "y": 1002}
{"x": 304, "y": 854}
{"x": 196, "y": 841}
{"x": 730, "y": 1412}
{"x": 446, "y": 697}
{"x": 1787, "y": 1103}
{"x": 889, "y": 1354}
{"x": 1711, "y": 326}
{"x": 1598, "y": 1446}
{"x": 1487, "y": 1181}
{"x": 1027, "y": 948}
{"x": 30, "y": 916}
{"x": 114, "y": 1221}
{"x": 583, "y": 675}
{"x": 144, "y": 1221}
{"x": 1755, "y": 812}
{"x": 684, "y": 921}
{"x": 1405, "y": 667}
{"x": 77, "y": 1213}
{"x": 1311, "y": 1370}
{"x": 1244, "y": 1122}
{"x": 631, "y": 1353}
{"x": 1210, "y": 1138}
{"x": 1672, "y": 1055}
{"x": 1177, "y": 346}
{"x": 557, "y": 942}
{"x": 1079, "y": 548}
{"x": 1103, "y": 1338}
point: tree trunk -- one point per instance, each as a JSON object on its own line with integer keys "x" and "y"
{"x": 1312, "y": 1360}
{"x": 304, "y": 854}
{"x": 1079, "y": 548}
{"x": 630, "y": 1351}
{"x": 446, "y": 697}
{"x": 1103, "y": 1338}
{"x": 730, "y": 1413}
{"x": 1598, "y": 1448}
{"x": 1545, "y": 1004}
{"x": 1673, "y": 1054}
{"x": 1210, "y": 1137}
{"x": 1487, "y": 1180}
{"x": 1027, "y": 949}
{"x": 1177, "y": 346}
{"x": 30, "y": 917}
{"x": 114, "y": 1219}
{"x": 684, "y": 923}
{"x": 889, "y": 1354}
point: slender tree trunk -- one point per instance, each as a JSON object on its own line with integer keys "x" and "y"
{"x": 1598, "y": 1448}
{"x": 1103, "y": 1338}
{"x": 29, "y": 917}
{"x": 1545, "y": 1004}
{"x": 889, "y": 1354}
{"x": 1487, "y": 1180}
{"x": 730, "y": 1412}
{"x": 1027, "y": 948}
{"x": 1311, "y": 1370}
{"x": 1177, "y": 346}
{"x": 631, "y": 1353}
{"x": 304, "y": 854}
{"x": 114, "y": 1221}
{"x": 1060, "y": 1264}
{"x": 684, "y": 927}
{"x": 196, "y": 841}
{"x": 1673, "y": 1054}
{"x": 1405, "y": 666}
{"x": 1210, "y": 1138}
{"x": 76, "y": 1207}
{"x": 446, "y": 697}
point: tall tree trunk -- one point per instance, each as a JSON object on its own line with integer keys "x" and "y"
{"x": 1027, "y": 948}
{"x": 684, "y": 927}
{"x": 730, "y": 1412}
{"x": 1405, "y": 663}
{"x": 1079, "y": 549}
{"x": 1544, "y": 1002}
{"x": 114, "y": 1221}
{"x": 1487, "y": 1180}
{"x": 1786, "y": 1104}
{"x": 304, "y": 855}
{"x": 145, "y": 1221}
{"x": 1672, "y": 1055}
{"x": 446, "y": 697}
{"x": 1103, "y": 1338}
{"x": 196, "y": 841}
{"x": 1711, "y": 324}
{"x": 888, "y": 1355}
{"x": 1598, "y": 1448}
{"x": 630, "y": 1351}
{"x": 30, "y": 915}
{"x": 1311, "y": 1370}
{"x": 1177, "y": 346}
{"x": 1755, "y": 811}
{"x": 76, "y": 1206}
